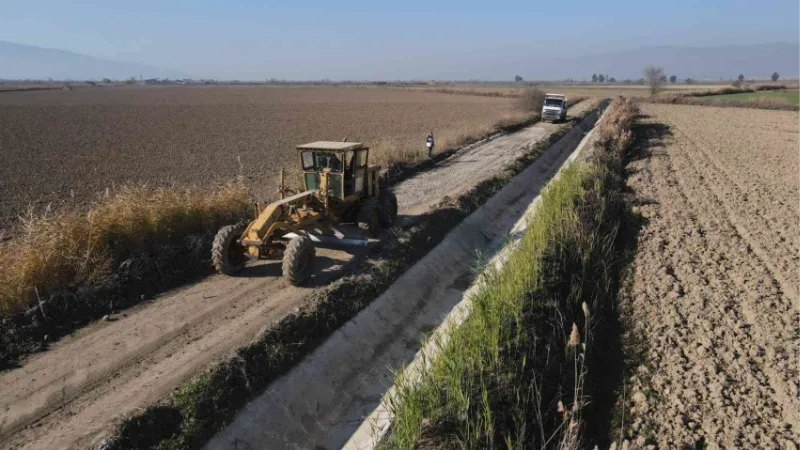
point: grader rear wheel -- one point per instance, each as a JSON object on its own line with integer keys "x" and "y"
{"x": 298, "y": 260}
{"x": 371, "y": 214}
{"x": 375, "y": 220}
{"x": 227, "y": 253}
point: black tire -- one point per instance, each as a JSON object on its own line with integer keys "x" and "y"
{"x": 388, "y": 209}
{"x": 375, "y": 219}
{"x": 371, "y": 216}
{"x": 227, "y": 254}
{"x": 298, "y": 260}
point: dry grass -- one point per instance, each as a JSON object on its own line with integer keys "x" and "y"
{"x": 59, "y": 251}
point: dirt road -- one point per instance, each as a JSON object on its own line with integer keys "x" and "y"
{"x": 70, "y": 395}
{"x": 330, "y": 398}
{"x": 712, "y": 291}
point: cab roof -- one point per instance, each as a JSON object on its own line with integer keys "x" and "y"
{"x": 332, "y": 146}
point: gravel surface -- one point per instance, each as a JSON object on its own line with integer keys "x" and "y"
{"x": 476, "y": 163}
{"x": 711, "y": 297}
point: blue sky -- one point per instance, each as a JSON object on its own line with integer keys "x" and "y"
{"x": 379, "y": 40}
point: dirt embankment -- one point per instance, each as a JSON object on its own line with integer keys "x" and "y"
{"x": 711, "y": 297}
{"x": 71, "y": 394}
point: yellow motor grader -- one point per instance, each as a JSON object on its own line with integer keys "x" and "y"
{"x": 340, "y": 188}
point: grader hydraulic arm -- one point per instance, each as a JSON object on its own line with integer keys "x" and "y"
{"x": 287, "y": 215}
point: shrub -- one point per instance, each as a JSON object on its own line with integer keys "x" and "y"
{"x": 655, "y": 79}
{"x": 531, "y": 100}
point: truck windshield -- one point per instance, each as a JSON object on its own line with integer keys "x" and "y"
{"x": 553, "y": 102}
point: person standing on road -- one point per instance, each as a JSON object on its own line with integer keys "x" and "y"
{"x": 429, "y": 143}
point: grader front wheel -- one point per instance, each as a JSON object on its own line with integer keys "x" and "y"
{"x": 298, "y": 260}
{"x": 227, "y": 253}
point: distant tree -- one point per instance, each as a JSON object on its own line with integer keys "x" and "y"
{"x": 689, "y": 81}
{"x": 740, "y": 78}
{"x": 594, "y": 78}
{"x": 107, "y": 80}
{"x": 673, "y": 79}
{"x": 612, "y": 80}
{"x": 655, "y": 79}
{"x": 518, "y": 79}
{"x": 130, "y": 80}
{"x": 775, "y": 76}
{"x": 601, "y": 78}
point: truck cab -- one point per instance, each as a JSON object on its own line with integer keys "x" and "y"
{"x": 554, "y": 108}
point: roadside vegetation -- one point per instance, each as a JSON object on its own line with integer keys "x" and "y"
{"x": 54, "y": 252}
{"x": 765, "y": 96}
{"x": 63, "y": 269}
{"x": 202, "y": 406}
{"x": 531, "y": 100}
{"x": 523, "y": 366}
{"x": 789, "y": 97}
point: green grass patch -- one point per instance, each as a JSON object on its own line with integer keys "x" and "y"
{"x": 514, "y": 374}
{"x": 789, "y": 97}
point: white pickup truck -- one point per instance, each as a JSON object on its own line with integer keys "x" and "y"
{"x": 554, "y": 108}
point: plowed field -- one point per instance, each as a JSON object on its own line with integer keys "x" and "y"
{"x": 71, "y": 145}
{"x": 712, "y": 295}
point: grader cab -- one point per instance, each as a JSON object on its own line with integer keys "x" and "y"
{"x": 340, "y": 188}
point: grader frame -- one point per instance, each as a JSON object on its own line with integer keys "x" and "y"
{"x": 340, "y": 187}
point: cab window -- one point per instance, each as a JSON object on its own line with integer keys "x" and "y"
{"x": 318, "y": 161}
{"x": 362, "y": 159}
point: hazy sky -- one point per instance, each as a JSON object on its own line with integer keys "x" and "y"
{"x": 379, "y": 40}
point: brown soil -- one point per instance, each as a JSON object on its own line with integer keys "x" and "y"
{"x": 71, "y": 395}
{"x": 68, "y": 146}
{"x": 711, "y": 297}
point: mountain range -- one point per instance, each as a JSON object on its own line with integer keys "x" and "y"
{"x": 20, "y": 61}
{"x": 759, "y": 61}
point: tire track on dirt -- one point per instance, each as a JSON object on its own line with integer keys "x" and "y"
{"x": 767, "y": 171}
{"x": 719, "y": 369}
{"x": 774, "y": 237}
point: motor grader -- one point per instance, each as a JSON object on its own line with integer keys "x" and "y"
{"x": 340, "y": 188}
